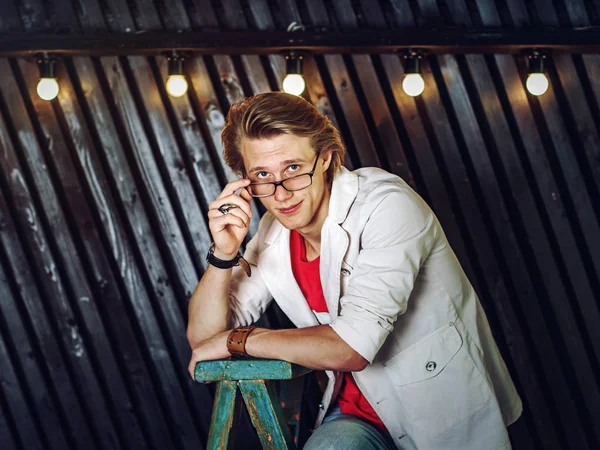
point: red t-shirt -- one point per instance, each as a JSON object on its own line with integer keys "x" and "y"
{"x": 350, "y": 399}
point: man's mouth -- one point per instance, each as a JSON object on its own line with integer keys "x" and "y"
{"x": 289, "y": 210}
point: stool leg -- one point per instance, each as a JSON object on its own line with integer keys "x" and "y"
{"x": 266, "y": 414}
{"x": 222, "y": 415}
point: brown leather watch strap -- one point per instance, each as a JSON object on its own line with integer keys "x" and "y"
{"x": 236, "y": 341}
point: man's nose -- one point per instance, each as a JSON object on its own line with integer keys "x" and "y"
{"x": 281, "y": 194}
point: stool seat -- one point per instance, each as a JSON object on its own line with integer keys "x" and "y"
{"x": 254, "y": 377}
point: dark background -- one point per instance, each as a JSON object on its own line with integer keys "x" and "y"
{"x": 104, "y": 191}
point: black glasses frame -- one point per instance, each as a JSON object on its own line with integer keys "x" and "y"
{"x": 281, "y": 183}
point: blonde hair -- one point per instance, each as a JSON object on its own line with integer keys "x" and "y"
{"x": 265, "y": 116}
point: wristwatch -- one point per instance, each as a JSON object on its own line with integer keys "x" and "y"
{"x": 238, "y": 260}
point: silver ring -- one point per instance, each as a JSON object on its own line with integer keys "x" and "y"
{"x": 224, "y": 209}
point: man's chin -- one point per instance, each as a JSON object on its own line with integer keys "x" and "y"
{"x": 290, "y": 223}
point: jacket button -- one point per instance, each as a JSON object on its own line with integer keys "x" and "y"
{"x": 431, "y": 365}
{"x": 321, "y": 406}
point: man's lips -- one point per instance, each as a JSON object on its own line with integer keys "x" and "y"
{"x": 289, "y": 210}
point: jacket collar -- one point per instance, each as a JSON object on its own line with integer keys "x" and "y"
{"x": 343, "y": 193}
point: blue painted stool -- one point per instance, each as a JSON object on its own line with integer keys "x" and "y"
{"x": 253, "y": 377}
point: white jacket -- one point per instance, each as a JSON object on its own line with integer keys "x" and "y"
{"x": 398, "y": 296}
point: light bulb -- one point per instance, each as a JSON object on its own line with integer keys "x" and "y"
{"x": 537, "y": 83}
{"x": 294, "y": 84}
{"x": 177, "y": 85}
{"x": 413, "y": 84}
{"x": 47, "y": 88}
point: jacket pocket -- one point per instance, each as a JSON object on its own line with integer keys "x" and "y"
{"x": 438, "y": 382}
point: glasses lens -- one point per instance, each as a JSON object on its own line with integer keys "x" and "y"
{"x": 297, "y": 183}
{"x": 260, "y": 190}
{"x": 291, "y": 184}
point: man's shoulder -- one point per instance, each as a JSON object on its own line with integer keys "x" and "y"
{"x": 374, "y": 182}
{"x": 361, "y": 191}
{"x": 379, "y": 189}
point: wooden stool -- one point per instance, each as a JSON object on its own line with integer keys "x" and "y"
{"x": 252, "y": 377}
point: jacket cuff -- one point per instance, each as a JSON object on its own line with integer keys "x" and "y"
{"x": 365, "y": 338}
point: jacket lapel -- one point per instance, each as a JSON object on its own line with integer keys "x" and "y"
{"x": 334, "y": 239}
{"x": 334, "y": 244}
{"x": 276, "y": 267}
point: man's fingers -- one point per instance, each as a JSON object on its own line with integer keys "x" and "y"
{"x": 215, "y": 215}
{"x": 230, "y": 188}
{"x": 192, "y": 369}
{"x": 246, "y": 195}
{"x": 232, "y": 199}
{"x": 219, "y": 223}
{"x": 241, "y": 214}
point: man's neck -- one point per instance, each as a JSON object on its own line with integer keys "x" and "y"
{"x": 312, "y": 233}
{"x": 312, "y": 246}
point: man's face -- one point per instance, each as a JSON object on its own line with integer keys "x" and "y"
{"x": 283, "y": 157}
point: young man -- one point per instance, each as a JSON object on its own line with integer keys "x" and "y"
{"x": 360, "y": 264}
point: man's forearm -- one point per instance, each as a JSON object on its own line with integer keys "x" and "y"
{"x": 316, "y": 347}
{"x": 208, "y": 310}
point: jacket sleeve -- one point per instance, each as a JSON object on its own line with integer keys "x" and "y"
{"x": 248, "y": 296}
{"x": 397, "y": 238}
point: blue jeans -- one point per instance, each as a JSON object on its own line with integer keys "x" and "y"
{"x": 346, "y": 432}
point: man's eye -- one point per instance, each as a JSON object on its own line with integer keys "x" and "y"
{"x": 293, "y": 167}
{"x": 262, "y": 175}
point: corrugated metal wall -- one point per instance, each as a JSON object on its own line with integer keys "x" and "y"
{"x": 104, "y": 193}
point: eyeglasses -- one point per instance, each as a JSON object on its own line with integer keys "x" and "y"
{"x": 291, "y": 184}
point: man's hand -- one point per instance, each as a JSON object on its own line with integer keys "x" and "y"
{"x": 212, "y": 348}
{"x": 229, "y": 230}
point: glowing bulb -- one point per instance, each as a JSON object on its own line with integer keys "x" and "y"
{"x": 413, "y": 84}
{"x": 177, "y": 85}
{"x": 537, "y": 83}
{"x": 47, "y": 88}
{"x": 294, "y": 84}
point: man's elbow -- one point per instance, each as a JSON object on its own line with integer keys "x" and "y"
{"x": 360, "y": 363}
{"x": 354, "y": 362}
{"x": 349, "y": 360}
{"x": 192, "y": 337}
{"x": 197, "y": 332}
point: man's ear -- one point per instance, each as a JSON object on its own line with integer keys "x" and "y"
{"x": 327, "y": 156}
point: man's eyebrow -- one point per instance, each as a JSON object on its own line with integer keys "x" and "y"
{"x": 283, "y": 163}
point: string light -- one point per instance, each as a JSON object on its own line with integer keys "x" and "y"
{"x": 413, "y": 83}
{"x": 176, "y": 83}
{"x": 294, "y": 83}
{"x": 537, "y": 82}
{"x": 47, "y": 87}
